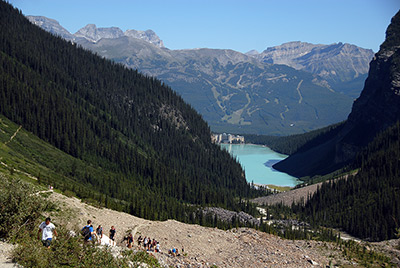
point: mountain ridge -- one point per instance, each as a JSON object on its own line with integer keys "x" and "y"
{"x": 91, "y": 33}
{"x": 337, "y": 63}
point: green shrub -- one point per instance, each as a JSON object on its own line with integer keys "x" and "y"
{"x": 65, "y": 251}
{"x": 19, "y": 206}
{"x": 141, "y": 257}
{"x": 70, "y": 251}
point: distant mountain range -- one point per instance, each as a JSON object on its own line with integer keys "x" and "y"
{"x": 292, "y": 88}
{"x": 91, "y": 33}
{"x": 336, "y": 63}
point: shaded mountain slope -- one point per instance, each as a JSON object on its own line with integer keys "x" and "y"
{"x": 377, "y": 108}
{"x": 366, "y": 205}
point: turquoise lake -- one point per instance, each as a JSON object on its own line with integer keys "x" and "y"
{"x": 257, "y": 162}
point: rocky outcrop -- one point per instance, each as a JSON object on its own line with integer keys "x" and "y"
{"x": 50, "y": 25}
{"x": 377, "y": 108}
{"x": 228, "y": 215}
{"x": 149, "y": 36}
{"x": 94, "y": 34}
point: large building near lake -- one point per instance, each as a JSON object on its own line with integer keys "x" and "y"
{"x": 226, "y": 138}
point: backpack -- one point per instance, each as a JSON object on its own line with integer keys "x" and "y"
{"x": 86, "y": 233}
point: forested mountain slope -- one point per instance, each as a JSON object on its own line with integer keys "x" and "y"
{"x": 377, "y": 108}
{"x": 366, "y": 205}
{"x": 153, "y": 150}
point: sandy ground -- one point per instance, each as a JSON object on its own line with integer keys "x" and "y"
{"x": 5, "y": 260}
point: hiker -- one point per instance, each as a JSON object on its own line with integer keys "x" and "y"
{"x": 145, "y": 240}
{"x": 130, "y": 240}
{"x": 173, "y": 252}
{"x": 158, "y": 247}
{"x": 87, "y": 232}
{"x": 112, "y": 236}
{"x": 47, "y": 228}
{"x": 139, "y": 241}
{"x": 99, "y": 233}
{"x": 148, "y": 243}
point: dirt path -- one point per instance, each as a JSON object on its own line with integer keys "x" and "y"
{"x": 13, "y": 136}
{"x": 202, "y": 246}
{"x": 5, "y": 252}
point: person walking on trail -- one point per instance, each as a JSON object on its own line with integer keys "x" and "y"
{"x": 99, "y": 233}
{"x": 47, "y": 229}
{"x": 112, "y": 236}
{"x": 87, "y": 232}
{"x": 130, "y": 240}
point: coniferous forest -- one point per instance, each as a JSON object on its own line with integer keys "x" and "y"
{"x": 366, "y": 205}
{"x": 144, "y": 150}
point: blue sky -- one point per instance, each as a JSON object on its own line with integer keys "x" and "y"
{"x": 241, "y": 25}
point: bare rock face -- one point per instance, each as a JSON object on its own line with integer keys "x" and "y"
{"x": 148, "y": 35}
{"x": 50, "y": 25}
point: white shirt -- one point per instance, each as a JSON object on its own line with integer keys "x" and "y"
{"x": 47, "y": 230}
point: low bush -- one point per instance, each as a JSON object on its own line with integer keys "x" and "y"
{"x": 19, "y": 207}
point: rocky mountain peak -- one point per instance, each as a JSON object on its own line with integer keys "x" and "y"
{"x": 379, "y": 103}
{"x": 94, "y": 34}
{"x": 148, "y": 35}
{"x": 252, "y": 52}
{"x": 50, "y": 25}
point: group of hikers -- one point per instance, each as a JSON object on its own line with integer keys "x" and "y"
{"x": 90, "y": 235}
{"x": 148, "y": 244}
{"x": 48, "y": 229}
